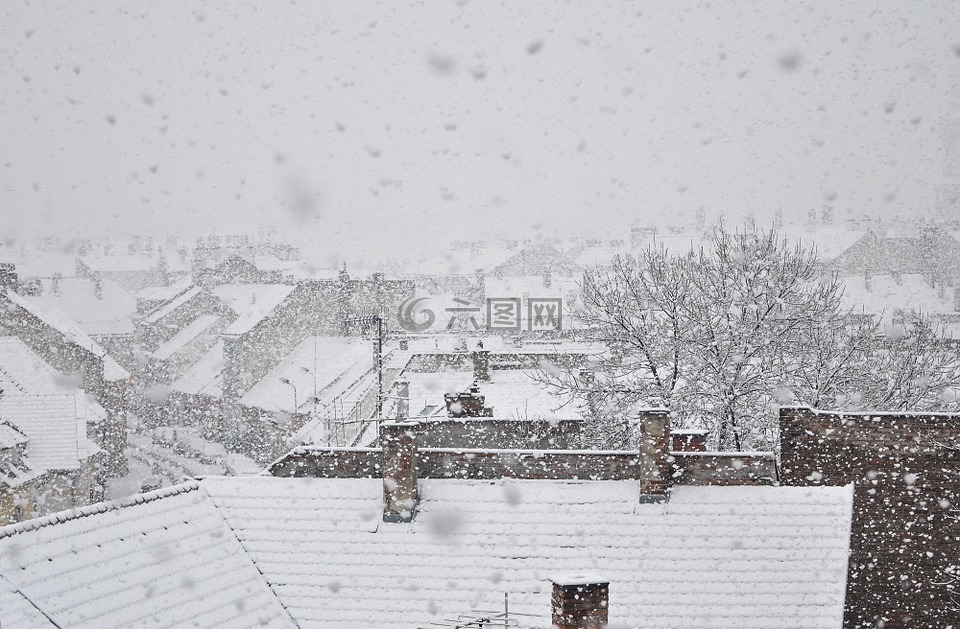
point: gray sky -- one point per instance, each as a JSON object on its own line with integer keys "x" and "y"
{"x": 367, "y": 124}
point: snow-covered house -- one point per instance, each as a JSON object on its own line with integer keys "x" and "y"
{"x": 62, "y": 344}
{"x": 329, "y": 551}
{"x": 504, "y": 371}
{"x": 890, "y": 298}
{"x": 48, "y": 462}
{"x": 935, "y": 254}
{"x": 540, "y": 259}
{"x": 132, "y": 271}
{"x": 181, "y": 308}
{"x": 101, "y": 308}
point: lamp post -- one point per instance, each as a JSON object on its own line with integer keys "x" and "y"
{"x": 295, "y": 405}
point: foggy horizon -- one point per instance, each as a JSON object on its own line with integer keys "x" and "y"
{"x": 399, "y": 127}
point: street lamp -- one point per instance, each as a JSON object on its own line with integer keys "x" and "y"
{"x": 295, "y": 405}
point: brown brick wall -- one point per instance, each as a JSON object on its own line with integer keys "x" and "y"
{"x": 330, "y": 463}
{"x": 696, "y": 468}
{"x": 902, "y": 537}
{"x": 542, "y": 464}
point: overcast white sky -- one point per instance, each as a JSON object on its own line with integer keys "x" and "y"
{"x": 368, "y": 124}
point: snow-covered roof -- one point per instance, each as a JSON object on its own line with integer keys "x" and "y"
{"x": 512, "y": 393}
{"x": 118, "y": 263}
{"x": 712, "y": 556}
{"x": 886, "y": 294}
{"x": 18, "y": 611}
{"x": 164, "y": 559}
{"x": 316, "y": 553}
{"x": 59, "y": 321}
{"x": 189, "y": 332}
{"x": 10, "y": 437}
{"x": 110, "y": 313}
{"x": 56, "y": 426}
{"x": 23, "y": 371}
{"x": 204, "y": 377}
{"x": 165, "y": 309}
{"x": 166, "y": 293}
{"x": 316, "y": 364}
{"x": 252, "y": 302}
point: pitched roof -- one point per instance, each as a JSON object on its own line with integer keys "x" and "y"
{"x": 56, "y": 426}
{"x": 712, "y": 556}
{"x": 168, "y": 307}
{"x": 186, "y": 334}
{"x": 330, "y": 360}
{"x": 886, "y": 294}
{"x": 933, "y": 252}
{"x": 252, "y": 302}
{"x": 164, "y": 559}
{"x": 10, "y": 437}
{"x": 204, "y": 376}
{"x": 23, "y": 371}
{"x": 107, "y": 314}
{"x": 315, "y": 552}
{"x": 166, "y": 293}
{"x": 56, "y": 319}
{"x": 18, "y": 611}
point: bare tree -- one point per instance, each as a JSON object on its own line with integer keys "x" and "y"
{"x": 722, "y": 334}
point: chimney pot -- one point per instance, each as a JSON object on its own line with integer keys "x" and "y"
{"x": 580, "y": 602}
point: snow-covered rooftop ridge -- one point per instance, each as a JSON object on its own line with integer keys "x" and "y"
{"x": 99, "y": 507}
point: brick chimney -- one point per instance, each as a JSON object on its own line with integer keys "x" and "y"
{"x": 579, "y": 602}
{"x": 481, "y": 365}
{"x": 689, "y": 440}
{"x": 654, "y": 454}
{"x": 399, "y": 449}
